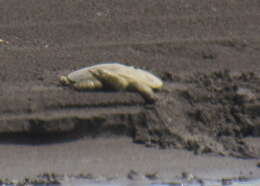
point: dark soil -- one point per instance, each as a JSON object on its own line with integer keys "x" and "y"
{"x": 207, "y": 52}
{"x": 206, "y": 113}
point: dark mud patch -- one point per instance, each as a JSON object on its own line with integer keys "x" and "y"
{"x": 206, "y": 113}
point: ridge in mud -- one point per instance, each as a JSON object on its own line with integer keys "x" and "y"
{"x": 206, "y": 113}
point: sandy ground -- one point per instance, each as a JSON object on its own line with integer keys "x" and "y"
{"x": 204, "y": 51}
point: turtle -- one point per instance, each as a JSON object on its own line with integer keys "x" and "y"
{"x": 3, "y": 41}
{"x": 115, "y": 76}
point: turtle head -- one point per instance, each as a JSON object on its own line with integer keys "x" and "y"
{"x": 64, "y": 80}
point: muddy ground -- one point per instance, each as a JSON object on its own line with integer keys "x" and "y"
{"x": 207, "y": 53}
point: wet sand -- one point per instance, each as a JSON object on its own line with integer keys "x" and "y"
{"x": 110, "y": 158}
{"x": 186, "y": 43}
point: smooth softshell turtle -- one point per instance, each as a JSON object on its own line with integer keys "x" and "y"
{"x": 116, "y": 76}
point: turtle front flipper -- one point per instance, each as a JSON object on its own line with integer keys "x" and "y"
{"x": 109, "y": 78}
{"x": 91, "y": 84}
{"x": 145, "y": 91}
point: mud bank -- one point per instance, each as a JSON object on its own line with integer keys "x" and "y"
{"x": 204, "y": 113}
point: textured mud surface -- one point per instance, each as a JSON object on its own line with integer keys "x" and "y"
{"x": 208, "y": 113}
